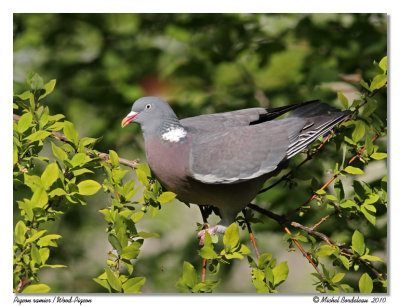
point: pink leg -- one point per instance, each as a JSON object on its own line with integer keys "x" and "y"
{"x": 212, "y": 231}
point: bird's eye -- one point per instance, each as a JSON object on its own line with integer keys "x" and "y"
{"x": 148, "y": 106}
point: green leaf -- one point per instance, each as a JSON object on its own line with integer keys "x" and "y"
{"x": 48, "y": 87}
{"x": 368, "y": 145}
{"x": 378, "y": 82}
{"x": 231, "y": 236}
{"x": 37, "y": 288}
{"x": 366, "y": 210}
{"x": 49, "y": 175}
{"x": 24, "y": 122}
{"x": 57, "y": 192}
{"x": 338, "y": 277}
{"x": 88, "y": 187}
{"x": 115, "y": 243}
{"x": 39, "y": 135}
{"x": 189, "y": 275}
{"x": 131, "y": 251}
{"x": 19, "y": 233}
{"x": 372, "y": 198}
{"x": 145, "y": 168}
{"x": 44, "y": 254}
{"x": 353, "y": 170}
{"x": 343, "y": 100}
{"x": 113, "y": 280}
{"x": 357, "y": 243}
{"x": 371, "y": 258}
{"x": 48, "y": 240}
{"x": 280, "y": 273}
{"x": 133, "y": 285}
{"x": 36, "y": 82}
{"x": 58, "y": 152}
{"x": 325, "y": 250}
{"x": 148, "y": 235}
{"x": 378, "y": 155}
{"x": 137, "y": 216}
{"x": 114, "y": 158}
{"x": 70, "y": 132}
{"x": 39, "y": 198}
{"x": 166, "y": 197}
{"x": 359, "y": 131}
{"x": 35, "y": 236}
{"x": 383, "y": 64}
{"x": 365, "y": 284}
{"x": 142, "y": 177}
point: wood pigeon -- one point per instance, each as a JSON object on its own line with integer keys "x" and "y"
{"x": 223, "y": 159}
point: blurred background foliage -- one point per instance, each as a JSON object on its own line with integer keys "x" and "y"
{"x": 199, "y": 63}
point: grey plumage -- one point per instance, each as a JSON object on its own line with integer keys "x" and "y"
{"x": 223, "y": 159}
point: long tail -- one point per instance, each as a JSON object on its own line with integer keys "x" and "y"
{"x": 321, "y": 118}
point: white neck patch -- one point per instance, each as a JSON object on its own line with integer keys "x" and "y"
{"x": 174, "y": 134}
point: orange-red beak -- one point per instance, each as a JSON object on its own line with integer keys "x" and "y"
{"x": 128, "y": 119}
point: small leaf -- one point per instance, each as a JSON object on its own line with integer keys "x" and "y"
{"x": 19, "y": 233}
{"x": 357, "y": 243}
{"x": 49, "y": 175}
{"x": 189, "y": 275}
{"x": 114, "y": 158}
{"x": 113, "y": 280}
{"x": 353, "y": 170}
{"x": 133, "y": 285}
{"x": 48, "y": 240}
{"x": 378, "y": 82}
{"x": 35, "y": 236}
{"x": 142, "y": 177}
{"x": 37, "y": 288}
{"x": 131, "y": 251}
{"x": 137, "y": 216}
{"x": 115, "y": 243}
{"x": 58, "y": 152}
{"x": 166, "y": 197}
{"x": 343, "y": 100}
{"x": 325, "y": 250}
{"x": 378, "y": 155}
{"x": 280, "y": 273}
{"x": 371, "y": 258}
{"x": 36, "y": 82}
{"x": 88, "y": 187}
{"x": 39, "y": 198}
{"x": 70, "y": 132}
{"x": 48, "y": 87}
{"x": 338, "y": 277}
{"x": 359, "y": 131}
{"x": 383, "y": 64}
{"x": 365, "y": 284}
{"x": 24, "y": 122}
{"x": 148, "y": 235}
{"x": 231, "y": 236}
{"x": 39, "y": 135}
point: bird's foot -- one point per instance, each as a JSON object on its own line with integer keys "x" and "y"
{"x": 212, "y": 231}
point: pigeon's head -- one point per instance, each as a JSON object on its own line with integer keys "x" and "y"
{"x": 149, "y": 111}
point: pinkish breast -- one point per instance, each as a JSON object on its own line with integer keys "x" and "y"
{"x": 168, "y": 161}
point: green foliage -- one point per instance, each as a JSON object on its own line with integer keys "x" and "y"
{"x": 51, "y": 192}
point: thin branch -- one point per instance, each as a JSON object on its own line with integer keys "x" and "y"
{"x": 104, "y": 156}
{"x": 205, "y": 226}
{"x": 252, "y": 238}
{"x": 283, "y": 221}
